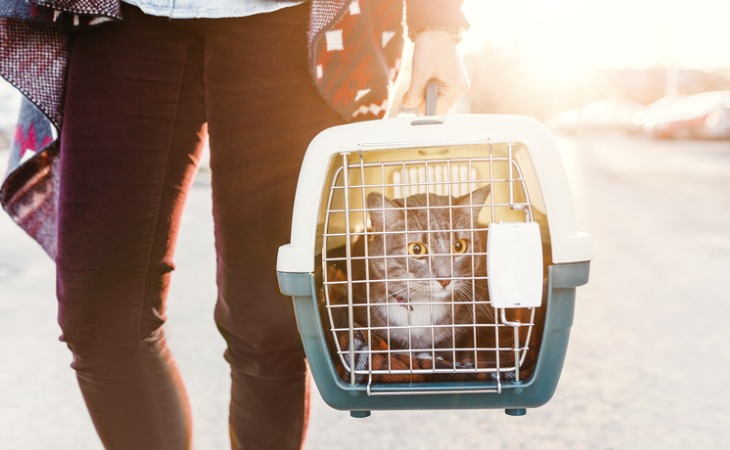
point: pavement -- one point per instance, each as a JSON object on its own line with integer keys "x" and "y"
{"x": 647, "y": 362}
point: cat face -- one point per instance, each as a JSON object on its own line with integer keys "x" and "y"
{"x": 422, "y": 257}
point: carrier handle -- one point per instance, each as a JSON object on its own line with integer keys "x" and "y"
{"x": 432, "y": 94}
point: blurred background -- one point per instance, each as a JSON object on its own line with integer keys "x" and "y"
{"x": 633, "y": 66}
{"x": 645, "y": 67}
{"x": 637, "y": 94}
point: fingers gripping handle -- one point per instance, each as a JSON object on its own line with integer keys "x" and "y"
{"x": 432, "y": 90}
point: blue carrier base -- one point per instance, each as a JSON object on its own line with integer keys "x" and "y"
{"x": 515, "y": 397}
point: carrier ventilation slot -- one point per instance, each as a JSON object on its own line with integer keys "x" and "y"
{"x": 439, "y": 179}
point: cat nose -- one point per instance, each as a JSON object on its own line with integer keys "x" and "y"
{"x": 444, "y": 283}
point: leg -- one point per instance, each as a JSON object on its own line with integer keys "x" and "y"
{"x": 130, "y": 145}
{"x": 263, "y": 111}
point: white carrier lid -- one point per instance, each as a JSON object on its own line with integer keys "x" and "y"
{"x": 568, "y": 244}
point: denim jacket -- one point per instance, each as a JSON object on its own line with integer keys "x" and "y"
{"x": 194, "y": 9}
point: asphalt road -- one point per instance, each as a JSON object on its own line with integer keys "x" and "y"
{"x": 647, "y": 362}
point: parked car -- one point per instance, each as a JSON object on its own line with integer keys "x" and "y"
{"x": 600, "y": 115}
{"x": 700, "y": 116}
{"x": 645, "y": 119}
{"x": 717, "y": 123}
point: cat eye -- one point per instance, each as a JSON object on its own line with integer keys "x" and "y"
{"x": 460, "y": 246}
{"x": 417, "y": 249}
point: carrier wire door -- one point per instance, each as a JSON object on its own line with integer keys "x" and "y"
{"x": 433, "y": 264}
{"x": 470, "y": 329}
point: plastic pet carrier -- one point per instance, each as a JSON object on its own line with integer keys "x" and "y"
{"x": 433, "y": 263}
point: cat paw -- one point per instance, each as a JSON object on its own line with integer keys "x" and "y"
{"x": 429, "y": 356}
{"x": 464, "y": 365}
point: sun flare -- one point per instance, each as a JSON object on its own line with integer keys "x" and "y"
{"x": 561, "y": 37}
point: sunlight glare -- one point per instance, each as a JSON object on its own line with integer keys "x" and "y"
{"x": 563, "y": 37}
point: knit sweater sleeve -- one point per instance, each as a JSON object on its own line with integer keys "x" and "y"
{"x": 423, "y": 14}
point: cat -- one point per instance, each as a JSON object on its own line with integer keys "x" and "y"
{"x": 424, "y": 267}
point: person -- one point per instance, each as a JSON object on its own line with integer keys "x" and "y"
{"x": 131, "y": 87}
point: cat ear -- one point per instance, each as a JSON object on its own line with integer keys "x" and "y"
{"x": 476, "y": 199}
{"x": 382, "y": 210}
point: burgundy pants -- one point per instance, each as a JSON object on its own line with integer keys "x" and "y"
{"x": 139, "y": 94}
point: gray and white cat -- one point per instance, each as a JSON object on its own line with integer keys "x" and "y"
{"x": 422, "y": 258}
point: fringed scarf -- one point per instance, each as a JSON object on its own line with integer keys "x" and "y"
{"x": 355, "y": 49}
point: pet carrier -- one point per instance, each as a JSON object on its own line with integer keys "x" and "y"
{"x": 433, "y": 263}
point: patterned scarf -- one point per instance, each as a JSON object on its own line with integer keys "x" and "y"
{"x": 355, "y": 48}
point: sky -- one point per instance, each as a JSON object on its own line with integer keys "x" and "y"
{"x": 562, "y": 36}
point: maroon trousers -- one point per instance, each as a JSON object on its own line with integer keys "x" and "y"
{"x": 139, "y": 94}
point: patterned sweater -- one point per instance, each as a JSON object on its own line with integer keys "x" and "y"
{"x": 355, "y": 49}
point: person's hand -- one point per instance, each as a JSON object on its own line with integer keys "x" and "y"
{"x": 436, "y": 57}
